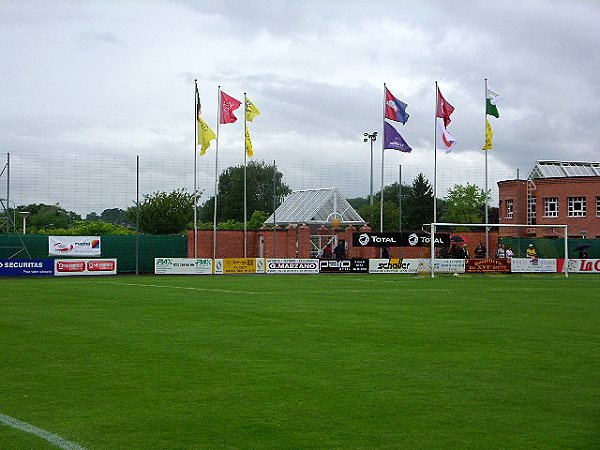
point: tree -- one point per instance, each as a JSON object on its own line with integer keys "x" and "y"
{"x": 259, "y": 196}
{"x": 417, "y": 206}
{"x": 164, "y": 213}
{"x": 116, "y": 216}
{"x": 43, "y": 217}
{"x": 465, "y": 204}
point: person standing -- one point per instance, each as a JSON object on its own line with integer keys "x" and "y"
{"x": 531, "y": 253}
{"x": 501, "y": 252}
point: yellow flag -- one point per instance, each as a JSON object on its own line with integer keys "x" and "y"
{"x": 205, "y": 135}
{"x": 251, "y": 110}
{"x": 488, "y": 135}
{"x": 249, "y": 150}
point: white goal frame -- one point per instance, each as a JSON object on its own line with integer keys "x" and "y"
{"x": 487, "y": 226}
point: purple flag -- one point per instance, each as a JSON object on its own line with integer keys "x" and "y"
{"x": 392, "y": 139}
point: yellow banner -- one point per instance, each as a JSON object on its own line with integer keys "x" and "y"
{"x": 239, "y": 265}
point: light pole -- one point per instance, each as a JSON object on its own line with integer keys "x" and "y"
{"x": 372, "y": 137}
{"x": 24, "y": 215}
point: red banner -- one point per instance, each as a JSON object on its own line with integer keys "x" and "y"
{"x": 487, "y": 265}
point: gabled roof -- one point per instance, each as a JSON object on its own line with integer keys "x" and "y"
{"x": 315, "y": 206}
{"x": 564, "y": 169}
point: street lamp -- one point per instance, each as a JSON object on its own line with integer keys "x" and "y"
{"x": 372, "y": 137}
{"x": 24, "y": 215}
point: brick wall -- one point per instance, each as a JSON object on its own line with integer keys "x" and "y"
{"x": 294, "y": 242}
{"x": 560, "y": 188}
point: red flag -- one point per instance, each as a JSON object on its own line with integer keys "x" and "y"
{"x": 228, "y": 106}
{"x": 444, "y": 109}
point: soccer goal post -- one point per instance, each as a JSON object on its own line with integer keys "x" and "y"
{"x": 487, "y": 226}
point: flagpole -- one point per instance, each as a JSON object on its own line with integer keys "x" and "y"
{"x": 216, "y": 174}
{"x": 487, "y": 234}
{"x": 435, "y": 153}
{"x": 400, "y": 204}
{"x": 196, "y": 169}
{"x": 382, "y": 163}
{"x": 245, "y": 191}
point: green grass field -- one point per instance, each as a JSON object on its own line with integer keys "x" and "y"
{"x": 302, "y": 362}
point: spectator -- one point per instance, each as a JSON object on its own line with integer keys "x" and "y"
{"x": 531, "y": 253}
{"x": 340, "y": 250}
{"x": 480, "y": 251}
{"x": 501, "y": 252}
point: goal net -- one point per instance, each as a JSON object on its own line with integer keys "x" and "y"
{"x": 488, "y": 248}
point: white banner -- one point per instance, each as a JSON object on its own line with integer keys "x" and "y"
{"x": 275, "y": 265}
{"x": 394, "y": 265}
{"x": 447, "y": 265}
{"x": 74, "y": 245}
{"x": 183, "y": 266}
{"x": 75, "y": 266}
{"x": 584, "y": 265}
{"x": 527, "y": 265}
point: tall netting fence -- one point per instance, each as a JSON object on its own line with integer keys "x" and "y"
{"x": 86, "y": 183}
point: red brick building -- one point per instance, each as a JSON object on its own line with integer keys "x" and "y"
{"x": 555, "y": 192}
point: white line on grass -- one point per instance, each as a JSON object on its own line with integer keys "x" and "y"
{"x": 186, "y": 288}
{"x": 28, "y": 428}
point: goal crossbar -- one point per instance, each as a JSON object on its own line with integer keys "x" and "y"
{"x": 487, "y": 226}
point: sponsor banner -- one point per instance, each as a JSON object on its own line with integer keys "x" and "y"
{"x": 394, "y": 265}
{"x": 581, "y": 265}
{"x": 404, "y": 239}
{"x": 74, "y": 246}
{"x": 26, "y": 267}
{"x": 488, "y": 265}
{"x": 183, "y": 266}
{"x": 239, "y": 265}
{"x": 527, "y": 265}
{"x": 274, "y": 265}
{"x": 447, "y": 265}
{"x": 70, "y": 267}
{"x": 354, "y": 265}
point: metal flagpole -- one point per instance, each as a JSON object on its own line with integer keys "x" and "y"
{"x": 196, "y": 111}
{"x": 382, "y": 163}
{"x": 216, "y": 175}
{"x": 245, "y": 191}
{"x": 400, "y": 204}
{"x": 137, "y": 213}
{"x": 437, "y": 97}
{"x": 274, "y": 216}
{"x": 487, "y": 232}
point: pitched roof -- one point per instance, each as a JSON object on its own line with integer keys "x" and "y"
{"x": 564, "y": 169}
{"x": 315, "y": 206}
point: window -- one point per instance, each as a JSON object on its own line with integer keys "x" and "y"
{"x": 598, "y": 206}
{"x": 576, "y": 206}
{"x": 551, "y": 207}
{"x": 509, "y": 208}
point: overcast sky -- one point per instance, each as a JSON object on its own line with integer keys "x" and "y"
{"x": 109, "y": 78}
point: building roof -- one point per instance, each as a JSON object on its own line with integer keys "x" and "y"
{"x": 315, "y": 206}
{"x": 564, "y": 169}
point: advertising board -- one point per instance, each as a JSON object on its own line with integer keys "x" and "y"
{"x": 183, "y": 266}
{"x": 275, "y": 265}
{"x": 74, "y": 246}
{"x": 26, "y": 267}
{"x": 394, "y": 265}
{"x": 488, "y": 265}
{"x": 447, "y": 265}
{"x": 396, "y": 239}
{"x": 71, "y": 267}
{"x": 354, "y": 265}
{"x": 226, "y": 266}
{"x": 581, "y": 265}
{"x": 539, "y": 265}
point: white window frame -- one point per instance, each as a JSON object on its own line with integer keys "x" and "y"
{"x": 509, "y": 208}
{"x": 551, "y": 207}
{"x": 597, "y": 206}
{"x": 576, "y": 206}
